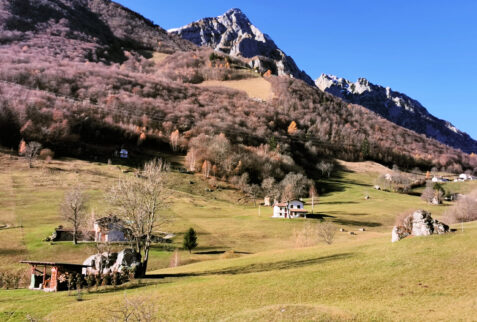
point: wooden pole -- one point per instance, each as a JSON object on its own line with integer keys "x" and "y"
{"x": 259, "y": 213}
{"x": 312, "y": 202}
{"x": 44, "y": 276}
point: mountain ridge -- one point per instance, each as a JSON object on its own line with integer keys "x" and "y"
{"x": 398, "y": 108}
{"x": 234, "y": 34}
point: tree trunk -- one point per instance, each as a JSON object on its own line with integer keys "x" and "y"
{"x": 143, "y": 269}
{"x": 75, "y": 238}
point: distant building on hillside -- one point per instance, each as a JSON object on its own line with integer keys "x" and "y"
{"x": 437, "y": 179}
{"x": 289, "y": 209}
{"x": 465, "y": 177}
{"x": 110, "y": 229}
{"x": 123, "y": 154}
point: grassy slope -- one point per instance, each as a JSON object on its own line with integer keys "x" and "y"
{"x": 359, "y": 276}
{"x": 413, "y": 279}
{"x": 256, "y": 87}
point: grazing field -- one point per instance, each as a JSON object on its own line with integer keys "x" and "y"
{"x": 432, "y": 277}
{"x": 256, "y": 87}
{"x": 263, "y": 275}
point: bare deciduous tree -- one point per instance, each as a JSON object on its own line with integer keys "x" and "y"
{"x": 325, "y": 167}
{"x": 73, "y": 209}
{"x": 137, "y": 201}
{"x": 293, "y": 186}
{"x": 313, "y": 194}
{"x": 307, "y": 236}
{"x": 464, "y": 210}
{"x": 326, "y": 232}
{"x": 32, "y": 149}
{"x": 174, "y": 139}
{"x": 134, "y": 309}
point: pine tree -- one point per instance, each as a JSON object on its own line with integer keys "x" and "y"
{"x": 190, "y": 240}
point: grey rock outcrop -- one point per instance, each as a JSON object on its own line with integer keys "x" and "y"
{"x": 233, "y": 33}
{"x": 397, "y": 108}
{"x": 111, "y": 262}
{"x": 420, "y": 223}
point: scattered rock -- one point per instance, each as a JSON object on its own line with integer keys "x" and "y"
{"x": 398, "y": 233}
{"x": 377, "y": 187}
{"x": 111, "y": 262}
{"x": 342, "y": 230}
{"x": 420, "y": 223}
{"x": 352, "y": 233}
{"x": 362, "y": 229}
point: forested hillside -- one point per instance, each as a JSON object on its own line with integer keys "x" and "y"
{"x": 79, "y": 79}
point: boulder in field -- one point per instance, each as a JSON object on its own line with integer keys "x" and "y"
{"x": 420, "y": 223}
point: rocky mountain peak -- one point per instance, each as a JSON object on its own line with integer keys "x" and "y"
{"x": 397, "y": 108}
{"x": 233, "y": 33}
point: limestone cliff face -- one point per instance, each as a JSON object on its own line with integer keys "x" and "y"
{"x": 233, "y": 33}
{"x": 397, "y": 108}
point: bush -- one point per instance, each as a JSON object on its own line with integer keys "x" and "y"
{"x": 46, "y": 154}
{"x": 307, "y": 236}
{"x": 10, "y": 280}
{"x": 464, "y": 210}
{"x": 326, "y": 232}
{"x": 404, "y": 220}
{"x": 106, "y": 279}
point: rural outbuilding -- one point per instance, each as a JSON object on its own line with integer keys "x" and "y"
{"x": 50, "y": 276}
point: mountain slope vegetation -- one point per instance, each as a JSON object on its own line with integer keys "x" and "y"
{"x": 87, "y": 90}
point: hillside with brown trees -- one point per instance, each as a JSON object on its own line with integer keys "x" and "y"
{"x": 83, "y": 82}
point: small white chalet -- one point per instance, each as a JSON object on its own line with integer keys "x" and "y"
{"x": 123, "y": 154}
{"x": 289, "y": 209}
{"x": 465, "y": 177}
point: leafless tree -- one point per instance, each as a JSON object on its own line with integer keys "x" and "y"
{"x": 326, "y": 232}
{"x": 206, "y": 167}
{"x": 253, "y": 191}
{"x": 174, "y": 139}
{"x": 325, "y": 168}
{"x": 313, "y": 194}
{"x": 32, "y": 150}
{"x": 293, "y": 186}
{"x": 134, "y": 309}
{"x": 138, "y": 201}
{"x": 191, "y": 159}
{"x": 464, "y": 210}
{"x": 73, "y": 209}
{"x": 307, "y": 236}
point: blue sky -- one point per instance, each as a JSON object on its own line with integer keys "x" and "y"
{"x": 425, "y": 49}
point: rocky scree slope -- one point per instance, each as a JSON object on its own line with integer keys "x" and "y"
{"x": 233, "y": 33}
{"x": 397, "y": 108}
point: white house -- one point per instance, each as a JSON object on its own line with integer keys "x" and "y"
{"x": 109, "y": 229}
{"x": 465, "y": 177}
{"x": 123, "y": 154}
{"x": 289, "y": 209}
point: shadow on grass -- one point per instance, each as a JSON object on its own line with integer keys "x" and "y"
{"x": 134, "y": 284}
{"x": 338, "y": 202}
{"x": 357, "y": 223}
{"x": 260, "y": 267}
{"x": 218, "y": 252}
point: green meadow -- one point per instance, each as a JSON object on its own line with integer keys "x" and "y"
{"x": 262, "y": 275}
